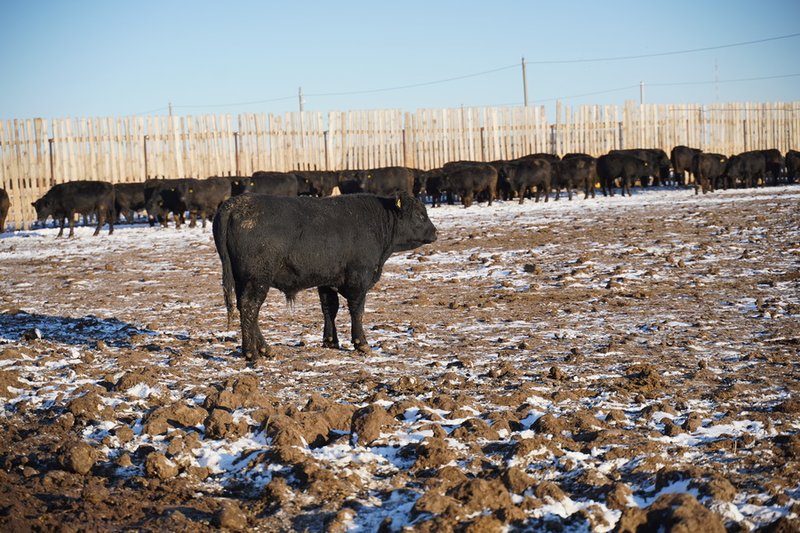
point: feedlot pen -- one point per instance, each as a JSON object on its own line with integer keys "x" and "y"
{"x": 581, "y": 364}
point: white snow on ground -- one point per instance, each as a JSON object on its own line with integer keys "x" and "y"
{"x": 224, "y": 457}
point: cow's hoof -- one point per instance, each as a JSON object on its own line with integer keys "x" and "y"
{"x": 253, "y": 355}
{"x": 362, "y": 347}
{"x": 330, "y": 342}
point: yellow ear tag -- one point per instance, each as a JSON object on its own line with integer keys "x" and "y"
{"x": 398, "y": 203}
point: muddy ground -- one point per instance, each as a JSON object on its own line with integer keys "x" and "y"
{"x": 575, "y": 366}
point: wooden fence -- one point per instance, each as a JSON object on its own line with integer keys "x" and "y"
{"x": 38, "y": 153}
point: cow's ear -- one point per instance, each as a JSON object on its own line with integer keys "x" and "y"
{"x": 33, "y": 204}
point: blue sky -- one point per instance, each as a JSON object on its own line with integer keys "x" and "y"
{"x": 106, "y": 58}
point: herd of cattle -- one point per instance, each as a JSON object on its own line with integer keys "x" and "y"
{"x": 534, "y": 175}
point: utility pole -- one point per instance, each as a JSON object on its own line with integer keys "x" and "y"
{"x": 641, "y": 92}
{"x": 300, "y": 97}
{"x": 524, "y": 84}
{"x": 716, "y": 80}
{"x": 170, "y": 108}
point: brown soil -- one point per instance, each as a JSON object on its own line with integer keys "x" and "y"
{"x": 630, "y": 364}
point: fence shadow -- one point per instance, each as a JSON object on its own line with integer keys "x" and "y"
{"x": 85, "y": 331}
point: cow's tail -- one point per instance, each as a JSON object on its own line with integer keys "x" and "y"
{"x": 220, "y": 229}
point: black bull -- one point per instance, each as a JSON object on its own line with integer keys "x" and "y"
{"x": 337, "y": 244}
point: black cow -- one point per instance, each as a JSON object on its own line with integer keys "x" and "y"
{"x": 386, "y": 181}
{"x": 682, "y": 157}
{"x": 128, "y": 200}
{"x": 63, "y": 200}
{"x": 578, "y": 171}
{"x": 468, "y": 179}
{"x": 708, "y": 170}
{"x": 657, "y": 164}
{"x": 316, "y": 182}
{"x": 349, "y": 181}
{"x": 5, "y": 205}
{"x": 337, "y": 244}
{"x": 203, "y": 197}
{"x": 525, "y": 173}
{"x": 432, "y": 183}
{"x": 165, "y": 196}
{"x": 792, "y": 165}
{"x": 746, "y": 169}
{"x": 504, "y": 191}
{"x": 773, "y": 166}
{"x": 271, "y": 183}
{"x": 236, "y": 184}
{"x": 615, "y": 165}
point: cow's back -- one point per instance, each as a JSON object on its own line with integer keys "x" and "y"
{"x": 293, "y": 243}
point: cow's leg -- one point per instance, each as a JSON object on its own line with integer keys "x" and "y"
{"x": 111, "y": 217}
{"x": 101, "y": 219}
{"x": 71, "y": 224}
{"x": 356, "y": 306}
{"x": 249, "y": 300}
{"x": 330, "y": 307}
{"x": 61, "y": 229}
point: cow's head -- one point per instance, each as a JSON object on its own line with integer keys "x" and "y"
{"x": 414, "y": 228}
{"x": 43, "y": 208}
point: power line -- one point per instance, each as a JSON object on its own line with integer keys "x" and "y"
{"x": 670, "y": 84}
{"x": 414, "y": 85}
{"x": 240, "y": 103}
{"x": 514, "y": 66}
{"x": 551, "y": 62}
{"x": 661, "y": 54}
{"x": 723, "y": 81}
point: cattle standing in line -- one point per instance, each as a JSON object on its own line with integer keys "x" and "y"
{"x": 524, "y": 174}
{"x": 316, "y": 182}
{"x": 747, "y": 169}
{"x": 64, "y": 200}
{"x": 203, "y": 197}
{"x": 578, "y": 171}
{"x": 468, "y": 179}
{"x": 619, "y": 165}
{"x": 773, "y": 166}
{"x": 504, "y": 191}
{"x": 5, "y": 205}
{"x": 682, "y": 158}
{"x": 792, "y": 165}
{"x": 165, "y": 196}
{"x": 432, "y": 183}
{"x": 708, "y": 170}
{"x": 657, "y": 164}
{"x": 337, "y": 244}
{"x": 271, "y": 183}
{"x": 386, "y": 181}
{"x": 128, "y": 200}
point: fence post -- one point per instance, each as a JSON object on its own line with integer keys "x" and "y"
{"x": 236, "y": 149}
{"x": 52, "y": 157}
{"x": 327, "y": 156}
{"x": 145, "y": 156}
